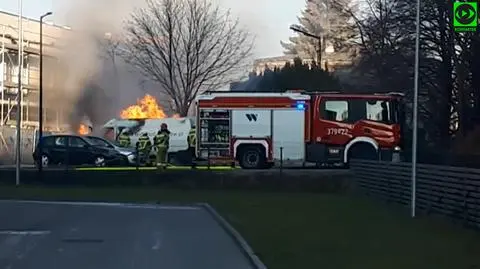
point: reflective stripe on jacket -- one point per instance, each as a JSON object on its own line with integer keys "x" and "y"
{"x": 161, "y": 139}
{"x": 192, "y": 138}
{"x": 124, "y": 140}
{"x": 144, "y": 142}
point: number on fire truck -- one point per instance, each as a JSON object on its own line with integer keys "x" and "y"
{"x": 337, "y": 131}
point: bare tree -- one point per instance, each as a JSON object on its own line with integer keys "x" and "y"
{"x": 186, "y": 46}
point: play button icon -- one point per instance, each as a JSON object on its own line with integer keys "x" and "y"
{"x": 465, "y": 14}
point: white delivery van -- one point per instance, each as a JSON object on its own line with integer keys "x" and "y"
{"x": 179, "y": 128}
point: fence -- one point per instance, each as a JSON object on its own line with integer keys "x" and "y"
{"x": 8, "y": 141}
{"x": 453, "y": 192}
{"x": 8, "y": 138}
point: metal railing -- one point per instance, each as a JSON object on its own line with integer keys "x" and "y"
{"x": 453, "y": 192}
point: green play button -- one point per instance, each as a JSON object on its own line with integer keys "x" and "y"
{"x": 465, "y": 14}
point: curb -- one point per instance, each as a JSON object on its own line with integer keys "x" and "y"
{"x": 246, "y": 249}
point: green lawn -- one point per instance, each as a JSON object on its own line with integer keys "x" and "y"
{"x": 299, "y": 231}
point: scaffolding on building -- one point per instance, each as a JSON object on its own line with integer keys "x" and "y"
{"x": 30, "y": 83}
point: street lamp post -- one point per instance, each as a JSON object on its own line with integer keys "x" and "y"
{"x": 19, "y": 93}
{"x": 318, "y": 38}
{"x": 415, "y": 113}
{"x": 40, "y": 97}
{"x": 111, "y": 48}
{"x": 319, "y": 51}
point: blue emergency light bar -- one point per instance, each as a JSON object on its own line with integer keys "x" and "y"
{"x": 300, "y": 105}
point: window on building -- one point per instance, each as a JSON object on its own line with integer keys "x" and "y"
{"x": 336, "y": 110}
{"x": 12, "y": 67}
{"x": 34, "y": 62}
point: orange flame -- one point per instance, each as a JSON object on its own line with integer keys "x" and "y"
{"x": 83, "y": 129}
{"x": 146, "y": 108}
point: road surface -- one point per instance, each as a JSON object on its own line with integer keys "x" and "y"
{"x": 113, "y": 236}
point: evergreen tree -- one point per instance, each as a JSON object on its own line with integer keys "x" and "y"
{"x": 291, "y": 77}
{"x": 328, "y": 18}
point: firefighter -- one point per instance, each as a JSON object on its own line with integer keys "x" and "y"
{"x": 192, "y": 141}
{"x": 124, "y": 139}
{"x": 162, "y": 142}
{"x": 144, "y": 146}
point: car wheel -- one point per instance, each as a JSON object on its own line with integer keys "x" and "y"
{"x": 99, "y": 161}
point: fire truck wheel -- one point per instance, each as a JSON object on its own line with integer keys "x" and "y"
{"x": 363, "y": 151}
{"x": 252, "y": 157}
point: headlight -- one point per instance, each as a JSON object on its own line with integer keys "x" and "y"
{"x": 397, "y": 148}
{"x": 126, "y": 153}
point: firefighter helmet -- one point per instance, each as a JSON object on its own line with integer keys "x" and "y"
{"x": 163, "y": 126}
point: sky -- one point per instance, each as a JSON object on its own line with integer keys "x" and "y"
{"x": 269, "y": 20}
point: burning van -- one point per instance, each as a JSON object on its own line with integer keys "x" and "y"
{"x": 178, "y": 127}
{"x": 85, "y": 127}
{"x": 146, "y": 116}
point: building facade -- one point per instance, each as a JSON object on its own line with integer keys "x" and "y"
{"x": 9, "y": 68}
{"x": 333, "y": 61}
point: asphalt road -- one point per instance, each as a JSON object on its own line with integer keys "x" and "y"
{"x": 109, "y": 236}
{"x": 294, "y": 170}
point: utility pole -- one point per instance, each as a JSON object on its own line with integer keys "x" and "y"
{"x": 415, "y": 114}
{"x": 19, "y": 92}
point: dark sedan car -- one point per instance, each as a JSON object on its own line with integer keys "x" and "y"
{"x": 130, "y": 153}
{"x": 75, "y": 150}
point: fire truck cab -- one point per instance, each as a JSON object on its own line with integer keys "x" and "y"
{"x": 259, "y": 129}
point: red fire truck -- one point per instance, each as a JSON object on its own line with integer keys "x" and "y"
{"x": 258, "y": 129}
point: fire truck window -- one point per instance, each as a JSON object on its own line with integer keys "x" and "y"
{"x": 378, "y": 111}
{"x": 336, "y": 110}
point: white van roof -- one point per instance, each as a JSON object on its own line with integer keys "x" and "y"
{"x": 149, "y": 123}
